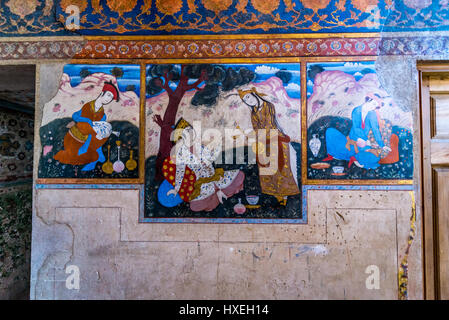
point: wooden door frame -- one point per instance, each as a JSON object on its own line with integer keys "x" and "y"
{"x": 430, "y": 247}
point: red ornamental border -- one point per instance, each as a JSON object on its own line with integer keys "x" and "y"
{"x": 227, "y": 48}
{"x": 186, "y": 49}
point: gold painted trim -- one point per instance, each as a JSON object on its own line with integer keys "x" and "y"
{"x": 304, "y": 141}
{"x": 238, "y": 36}
{"x": 143, "y": 127}
{"x": 186, "y": 61}
{"x": 225, "y": 60}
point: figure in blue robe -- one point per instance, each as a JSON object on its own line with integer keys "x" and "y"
{"x": 336, "y": 142}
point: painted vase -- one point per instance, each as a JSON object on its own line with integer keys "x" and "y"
{"x": 118, "y": 165}
{"x": 315, "y": 145}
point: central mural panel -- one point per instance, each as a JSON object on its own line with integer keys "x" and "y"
{"x": 223, "y": 141}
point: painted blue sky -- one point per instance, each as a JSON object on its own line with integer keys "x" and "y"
{"x": 131, "y": 74}
{"x": 358, "y": 69}
{"x": 266, "y": 71}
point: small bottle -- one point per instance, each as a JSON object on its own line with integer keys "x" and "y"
{"x": 239, "y": 208}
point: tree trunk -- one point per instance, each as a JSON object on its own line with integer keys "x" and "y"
{"x": 165, "y": 144}
{"x": 167, "y": 126}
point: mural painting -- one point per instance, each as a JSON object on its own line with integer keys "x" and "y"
{"x": 90, "y": 129}
{"x": 355, "y": 131}
{"x": 16, "y": 146}
{"x": 223, "y": 141}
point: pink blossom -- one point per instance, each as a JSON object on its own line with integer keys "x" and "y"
{"x": 47, "y": 149}
{"x": 57, "y": 107}
{"x": 128, "y": 103}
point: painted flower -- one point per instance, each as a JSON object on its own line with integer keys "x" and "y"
{"x": 22, "y": 8}
{"x": 123, "y": 49}
{"x": 216, "y": 49}
{"x": 335, "y": 45}
{"x": 417, "y": 4}
{"x": 121, "y": 6}
{"x": 240, "y": 47}
{"x": 169, "y": 7}
{"x": 363, "y": 5}
{"x": 147, "y": 48}
{"x": 100, "y": 48}
{"x": 264, "y": 48}
{"x": 341, "y": 5}
{"x": 360, "y": 46}
{"x": 193, "y": 48}
{"x": 266, "y": 6}
{"x": 47, "y": 150}
{"x": 81, "y": 4}
{"x": 312, "y": 47}
{"x": 170, "y": 49}
{"x": 216, "y": 5}
{"x": 287, "y": 46}
{"x": 315, "y": 5}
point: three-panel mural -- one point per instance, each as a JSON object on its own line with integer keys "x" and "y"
{"x": 225, "y": 142}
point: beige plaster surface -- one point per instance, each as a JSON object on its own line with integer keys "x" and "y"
{"x": 72, "y": 227}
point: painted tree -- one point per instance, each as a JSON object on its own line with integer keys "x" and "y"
{"x": 208, "y": 81}
{"x": 84, "y": 73}
{"x": 117, "y": 72}
{"x": 284, "y": 75}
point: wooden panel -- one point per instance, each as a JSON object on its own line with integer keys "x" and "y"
{"x": 435, "y": 192}
{"x": 440, "y": 115}
{"x": 442, "y": 220}
{"x": 439, "y": 82}
{"x": 440, "y": 152}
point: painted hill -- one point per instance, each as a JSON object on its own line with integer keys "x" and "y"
{"x": 70, "y": 99}
{"x": 337, "y": 93}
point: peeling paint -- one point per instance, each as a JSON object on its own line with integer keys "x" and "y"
{"x": 316, "y": 250}
{"x": 403, "y": 268}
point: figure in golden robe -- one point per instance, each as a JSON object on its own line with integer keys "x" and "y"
{"x": 281, "y": 182}
{"x": 88, "y": 132}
